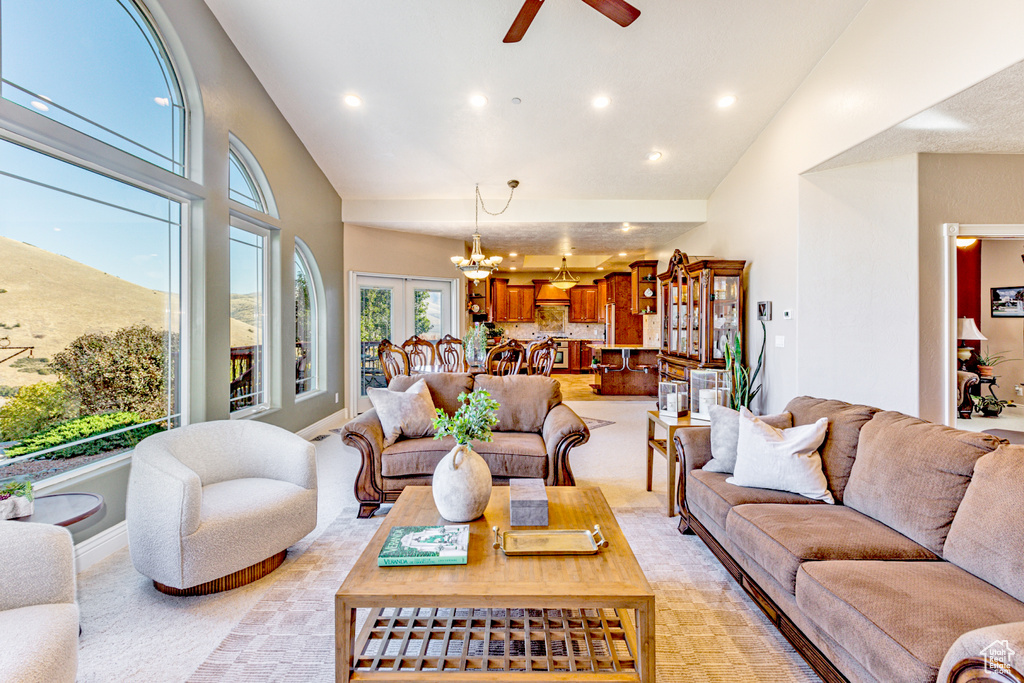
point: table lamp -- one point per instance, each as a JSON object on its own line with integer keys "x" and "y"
{"x": 967, "y": 330}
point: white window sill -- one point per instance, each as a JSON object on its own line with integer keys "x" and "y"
{"x": 305, "y": 396}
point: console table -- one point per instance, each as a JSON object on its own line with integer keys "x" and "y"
{"x": 666, "y": 447}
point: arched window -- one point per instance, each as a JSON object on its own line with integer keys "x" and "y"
{"x": 308, "y": 324}
{"x": 96, "y": 353}
{"x": 96, "y": 66}
{"x": 246, "y": 182}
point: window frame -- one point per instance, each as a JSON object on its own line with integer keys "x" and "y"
{"x": 267, "y": 362}
{"x": 256, "y": 179}
{"x": 319, "y": 336}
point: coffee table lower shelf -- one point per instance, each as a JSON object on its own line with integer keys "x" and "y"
{"x": 488, "y": 644}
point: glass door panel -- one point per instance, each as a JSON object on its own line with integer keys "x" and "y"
{"x": 682, "y": 316}
{"x": 672, "y": 317}
{"x": 693, "y": 328}
{"x": 429, "y": 312}
{"x": 725, "y": 313}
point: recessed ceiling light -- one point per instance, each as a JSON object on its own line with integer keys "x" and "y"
{"x": 353, "y": 100}
{"x": 478, "y": 100}
{"x": 727, "y": 101}
{"x": 567, "y": 254}
{"x": 512, "y": 267}
{"x": 512, "y": 253}
{"x": 600, "y": 267}
{"x": 626, "y": 227}
{"x": 653, "y": 156}
{"x": 39, "y": 105}
{"x": 602, "y": 102}
{"x": 556, "y": 268}
{"x": 622, "y": 253}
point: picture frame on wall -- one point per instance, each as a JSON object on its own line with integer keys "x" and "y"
{"x": 1008, "y": 302}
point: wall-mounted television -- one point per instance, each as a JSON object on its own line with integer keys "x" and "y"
{"x": 1008, "y": 302}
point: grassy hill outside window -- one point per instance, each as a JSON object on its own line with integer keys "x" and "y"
{"x": 91, "y": 351}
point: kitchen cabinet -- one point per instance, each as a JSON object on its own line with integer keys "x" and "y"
{"x": 702, "y": 312}
{"x": 625, "y": 327}
{"x": 583, "y": 305}
{"x": 643, "y": 287}
{"x": 498, "y": 303}
{"x": 520, "y": 304}
{"x": 602, "y": 298}
{"x": 580, "y": 355}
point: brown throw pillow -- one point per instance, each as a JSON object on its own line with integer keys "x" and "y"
{"x": 525, "y": 400}
{"x": 408, "y": 413}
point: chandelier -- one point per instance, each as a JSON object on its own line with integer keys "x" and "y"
{"x": 565, "y": 279}
{"x": 477, "y": 266}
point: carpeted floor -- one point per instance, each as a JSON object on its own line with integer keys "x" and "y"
{"x": 281, "y": 627}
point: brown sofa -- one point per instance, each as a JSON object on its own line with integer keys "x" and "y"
{"x": 532, "y": 439}
{"x": 916, "y": 569}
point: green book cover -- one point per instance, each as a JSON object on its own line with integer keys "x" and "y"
{"x": 411, "y": 545}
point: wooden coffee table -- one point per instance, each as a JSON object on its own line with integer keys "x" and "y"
{"x": 499, "y": 618}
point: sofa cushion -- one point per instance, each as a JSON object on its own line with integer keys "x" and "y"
{"x": 511, "y": 454}
{"x": 912, "y": 475}
{"x": 781, "y": 459}
{"x": 725, "y": 436}
{"x": 781, "y": 537}
{"x": 525, "y": 400}
{"x": 839, "y": 449}
{"x": 41, "y": 645}
{"x": 899, "y": 618}
{"x": 407, "y": 413}
{"x": 712, "y": 494}
{"x": 987, "y": 533}
{"x": 445, "y": 387}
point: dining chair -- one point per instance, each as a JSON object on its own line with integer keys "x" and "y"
{"x": 450, "y": 354}
{"x": 540, "y": 357}
{"x": 421, "y": 353}
{"x": 393, "y": 360}
{"x": 505, "y": 359}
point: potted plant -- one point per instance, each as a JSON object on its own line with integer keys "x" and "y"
{"x": 16, "y": 499}
{"x": 741, "y": 376}
{"x": 988, "y": 361}
{"x": 989, "y": 406}
{"x": 462, "y": 480}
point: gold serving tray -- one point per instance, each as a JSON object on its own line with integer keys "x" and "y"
{"x": 558, "y": 542}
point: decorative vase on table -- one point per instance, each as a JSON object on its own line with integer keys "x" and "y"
{"x": 16, "y": 499}
{"x": 461, "y": 485}
{"x": 462, "y": 480}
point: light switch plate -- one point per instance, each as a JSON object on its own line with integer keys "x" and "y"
{"x": 780, "y": 341}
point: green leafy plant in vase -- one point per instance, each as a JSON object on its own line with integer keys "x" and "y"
{"x": 987, "y": 362}
{"x": 742, "y": 377}
{"x": 16, "y": 499}
{"x": 462, "y": 480}
{"x": 989, "y": 406}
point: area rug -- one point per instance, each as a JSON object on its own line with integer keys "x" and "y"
{"x": 707, "y": 628}
{"x": 593, "y": 423}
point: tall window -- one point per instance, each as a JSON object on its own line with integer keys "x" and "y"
{"x": 90, "y": 295}
{"x": 250, "y": 262}
{"x": 307, "y": 321}
{"x": 241, "y": 186}
{"x": 96, "y": 66}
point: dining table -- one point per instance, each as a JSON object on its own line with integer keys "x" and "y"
{"x": 437, "y": 367}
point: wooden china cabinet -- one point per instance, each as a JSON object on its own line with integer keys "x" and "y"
{"x": 702, "y": 312}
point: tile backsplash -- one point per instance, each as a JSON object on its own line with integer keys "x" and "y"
{"x": 537, "y": 330}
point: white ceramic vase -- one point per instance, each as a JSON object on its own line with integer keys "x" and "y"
{"x": 461, "y": 485}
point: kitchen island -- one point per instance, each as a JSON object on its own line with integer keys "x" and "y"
{"x": 625, "y": 370}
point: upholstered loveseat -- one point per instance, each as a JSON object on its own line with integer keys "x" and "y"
{"x": 909, "y": 577}
{"x": 532, "y": 439}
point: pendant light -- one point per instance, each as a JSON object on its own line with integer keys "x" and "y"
{"x": 565, "y": 279}
{"x": 477, "y": 266}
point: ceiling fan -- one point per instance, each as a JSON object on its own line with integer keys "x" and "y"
{"x": 619, "y": 11}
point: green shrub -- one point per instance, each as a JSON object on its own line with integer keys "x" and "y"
{"x": 121, "y": 372}
{"x": 84, "y": 427}
{"x": 34, "y": 408}
{"x": 40, "y": 366}
{"x": 6, "y": 390}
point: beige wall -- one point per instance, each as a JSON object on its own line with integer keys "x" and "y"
{"x": 892, "y": 62}
{"x": 1001, "y": 266}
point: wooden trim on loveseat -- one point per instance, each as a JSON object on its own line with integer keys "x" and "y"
{"x": 977, "y": 670}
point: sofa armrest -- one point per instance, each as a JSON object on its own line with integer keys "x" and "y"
{"x": 695, "y": 445}
{"x": 563, "y": 429}
{"x": 366, "y": 435}
{"x": 986, "y": 647}
{"x": 38, "y": 566}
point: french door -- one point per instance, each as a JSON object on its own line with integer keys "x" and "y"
{"x": 394, "y": 308}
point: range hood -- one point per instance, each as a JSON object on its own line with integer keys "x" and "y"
{"x": 546, "y": 294}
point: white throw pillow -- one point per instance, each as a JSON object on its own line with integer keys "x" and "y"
{"x": 725, "y": 434}
{"x": 781, "y": 459}
{"x": 410, "y": 413}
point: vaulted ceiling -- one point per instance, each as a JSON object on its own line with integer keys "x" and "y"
{"x": 409, "y": 156}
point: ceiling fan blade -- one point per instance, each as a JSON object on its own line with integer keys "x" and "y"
{"x": 523, "y": 21}
{"x": 619, "y": 11}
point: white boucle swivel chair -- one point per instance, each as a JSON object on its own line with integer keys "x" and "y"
{"x": 215, "y": 505}
{"x": 38, "y": 612}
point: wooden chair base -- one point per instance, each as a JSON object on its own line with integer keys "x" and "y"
{"x": 234, "y": 580}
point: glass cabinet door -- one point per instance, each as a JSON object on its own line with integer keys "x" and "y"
{"x": 682, "y": 314}
{"x": 670, "y": 317}
{"x": 725, "y": 313}
{"x": 694, "y": 326}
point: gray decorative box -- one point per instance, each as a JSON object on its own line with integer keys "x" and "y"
{"x": 528, "y": 502}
